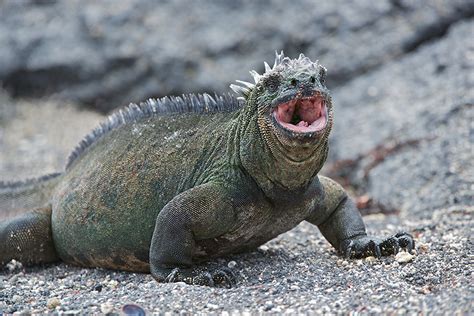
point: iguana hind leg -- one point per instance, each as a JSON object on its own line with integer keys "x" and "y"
{"x": 27, "y": 238}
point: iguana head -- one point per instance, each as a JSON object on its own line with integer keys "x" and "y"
{"x": 292, "y": 109}
{"x": 291, "y": 99}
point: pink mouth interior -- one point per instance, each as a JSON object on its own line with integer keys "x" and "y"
{"x": 302, "y": 115}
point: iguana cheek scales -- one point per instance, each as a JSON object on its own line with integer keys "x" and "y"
{"x": 205, "y": 176}
{"x": 302, "y": 115}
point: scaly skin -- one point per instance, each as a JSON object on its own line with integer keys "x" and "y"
{"x": 169, "y": 191}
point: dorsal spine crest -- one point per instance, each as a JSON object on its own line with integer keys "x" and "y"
{"x": 244, "y": 88}
{"x": 201, "y": 103}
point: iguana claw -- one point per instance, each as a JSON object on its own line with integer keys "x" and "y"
{"x": 224, "y": 276}
{"x": 364, "y": 246}
{"x": 198, "y": 276}
{"x": 405, "y": 240}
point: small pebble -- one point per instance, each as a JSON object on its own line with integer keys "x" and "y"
{"x": 14, "y": 265}
{"x": 268, "y": 305}
{"x": 294, "y": 287}
{"x": 98, "y": 287}
{"x": 53, "y": 302}
{"x": 22, "y": 313}
{"x": 423, "y": 248}
{"x": 404, "y": 257}
{"x": 231, "y": 264}
{"x": 112, "y": 283}
{"x": 212, "y": 306}
{"x": 106, "y": 308}
{"x": 133, "y": 310}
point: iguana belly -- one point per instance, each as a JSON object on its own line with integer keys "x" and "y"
{"x": 254, "y": 228}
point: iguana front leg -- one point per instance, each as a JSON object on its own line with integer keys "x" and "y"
{"x": 343, "y": 227}
{"x": 203, "y": 212}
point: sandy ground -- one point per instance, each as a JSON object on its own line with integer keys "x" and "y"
{"x": 37, "y": 137}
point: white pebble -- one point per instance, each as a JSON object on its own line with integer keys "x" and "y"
{"x": 106, "y": 308}
{"x": 212, "y": 306}
{"x": 53, "y": 303}
{"x": 404, "y": 257}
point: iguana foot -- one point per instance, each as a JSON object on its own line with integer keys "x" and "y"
{"x": 364, "y": 246}
{"x": 213, "y": 277}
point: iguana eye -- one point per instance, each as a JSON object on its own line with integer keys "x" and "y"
{"x": 293, "y": 81}
{"x": 272, "y": 83}
{"x": 312, "y": 79}
{"x": 272, "y": 86}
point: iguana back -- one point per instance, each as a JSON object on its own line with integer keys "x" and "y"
{"x": 105, "y": 207}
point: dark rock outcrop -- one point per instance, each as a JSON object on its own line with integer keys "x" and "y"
{"x": 107, "y": 54}
{"x": 405, "y": 130}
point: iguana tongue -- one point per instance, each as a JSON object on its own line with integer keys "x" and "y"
{"x": 309, "y": 110}
{"x": 302, "y": 115}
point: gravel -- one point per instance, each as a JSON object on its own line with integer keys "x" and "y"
{"x": 296, "y": 273}
{"x": 29, "y": 147}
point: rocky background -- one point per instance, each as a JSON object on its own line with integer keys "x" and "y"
{"x": 402, "y": 76}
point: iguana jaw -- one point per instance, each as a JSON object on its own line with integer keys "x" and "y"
{"x": 301, "y": 116}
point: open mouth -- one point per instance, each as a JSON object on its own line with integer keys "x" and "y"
{"x": 302, "y": 115}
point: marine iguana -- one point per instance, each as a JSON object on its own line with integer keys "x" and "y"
{"x": 166, "y": 184}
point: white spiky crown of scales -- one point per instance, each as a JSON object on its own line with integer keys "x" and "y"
{"x": 243, "y": 88}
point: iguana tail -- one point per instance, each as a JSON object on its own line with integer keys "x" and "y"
{"x": 25, "y": 221}
{"x": 22, "y": 196}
